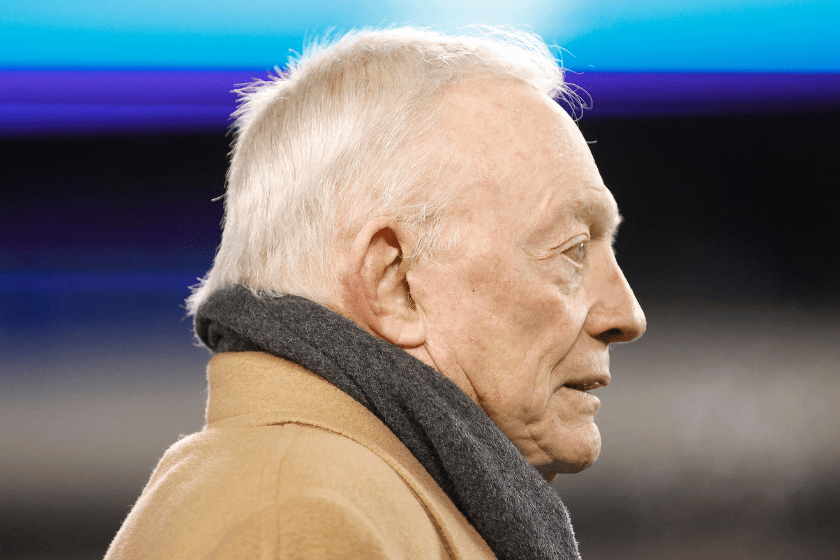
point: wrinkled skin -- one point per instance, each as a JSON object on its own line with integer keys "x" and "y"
{"x": 522, "y": 314}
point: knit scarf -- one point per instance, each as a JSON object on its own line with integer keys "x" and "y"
{"x": 502, "y": 495}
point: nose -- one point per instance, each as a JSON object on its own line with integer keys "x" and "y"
{"x": 615, "y": 314}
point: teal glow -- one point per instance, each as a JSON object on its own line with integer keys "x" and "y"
{"x": 617, "y": 35}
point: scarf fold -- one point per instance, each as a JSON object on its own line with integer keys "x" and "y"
{"x": 502, "y": 495}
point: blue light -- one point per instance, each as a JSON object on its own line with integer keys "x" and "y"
{"x": 85, "y": 67}
{"x": 56, "y": 283}
{"x": 616, "y": 35}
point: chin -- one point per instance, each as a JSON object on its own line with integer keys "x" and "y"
{"x": 577, "y": 466}
{"x": 574, "y": 456}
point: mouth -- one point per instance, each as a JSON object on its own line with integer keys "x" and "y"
{"x": 593, "y": 379}
{"x": 586, "y": 386}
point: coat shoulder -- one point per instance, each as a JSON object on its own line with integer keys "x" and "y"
{"x": 277, "y": 491}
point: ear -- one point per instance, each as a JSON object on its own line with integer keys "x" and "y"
{"x": 377, "y": 291}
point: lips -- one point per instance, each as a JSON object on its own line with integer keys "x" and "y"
{"x": 592, "y": 379}
{"x": 586, "y": 386}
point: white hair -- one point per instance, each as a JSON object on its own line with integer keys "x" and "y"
{"x": 345, "y": 134}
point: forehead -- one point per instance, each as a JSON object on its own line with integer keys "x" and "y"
{"x": 533, "y": 165}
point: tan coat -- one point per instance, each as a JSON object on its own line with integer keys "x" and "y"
{"x": 289, "y": 466}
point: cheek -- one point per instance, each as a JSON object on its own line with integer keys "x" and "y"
{"x": 516, "y": 342}
{"x": 505, "y": 326}
{"x": 562, "y": 275}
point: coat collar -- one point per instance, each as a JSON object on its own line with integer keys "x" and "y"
{"x": 259, "y": 389}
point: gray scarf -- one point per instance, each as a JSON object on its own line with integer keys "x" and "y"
{"x": 498, "y": 491}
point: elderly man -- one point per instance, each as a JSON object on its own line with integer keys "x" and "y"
{"x": 414, "y": 294}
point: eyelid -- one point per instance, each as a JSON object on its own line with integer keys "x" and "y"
{"x": 573, "y": 242}
{"x": 576, "y": 244}
{"x": 553, "y": 252}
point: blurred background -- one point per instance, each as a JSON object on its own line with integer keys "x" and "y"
{"x": 714, "y": 122}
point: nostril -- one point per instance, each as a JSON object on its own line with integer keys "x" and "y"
{"x": 612, "y": 335}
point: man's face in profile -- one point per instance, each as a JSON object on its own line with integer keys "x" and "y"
{"x": 521, "y": 314}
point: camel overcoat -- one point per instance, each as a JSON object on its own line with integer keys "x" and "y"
{"x": 289, "y": 466}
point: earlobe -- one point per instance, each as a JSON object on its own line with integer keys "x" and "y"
{"x": 377, "y": 284}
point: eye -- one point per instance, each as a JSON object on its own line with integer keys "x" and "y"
{"x": 577, "y": 252}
